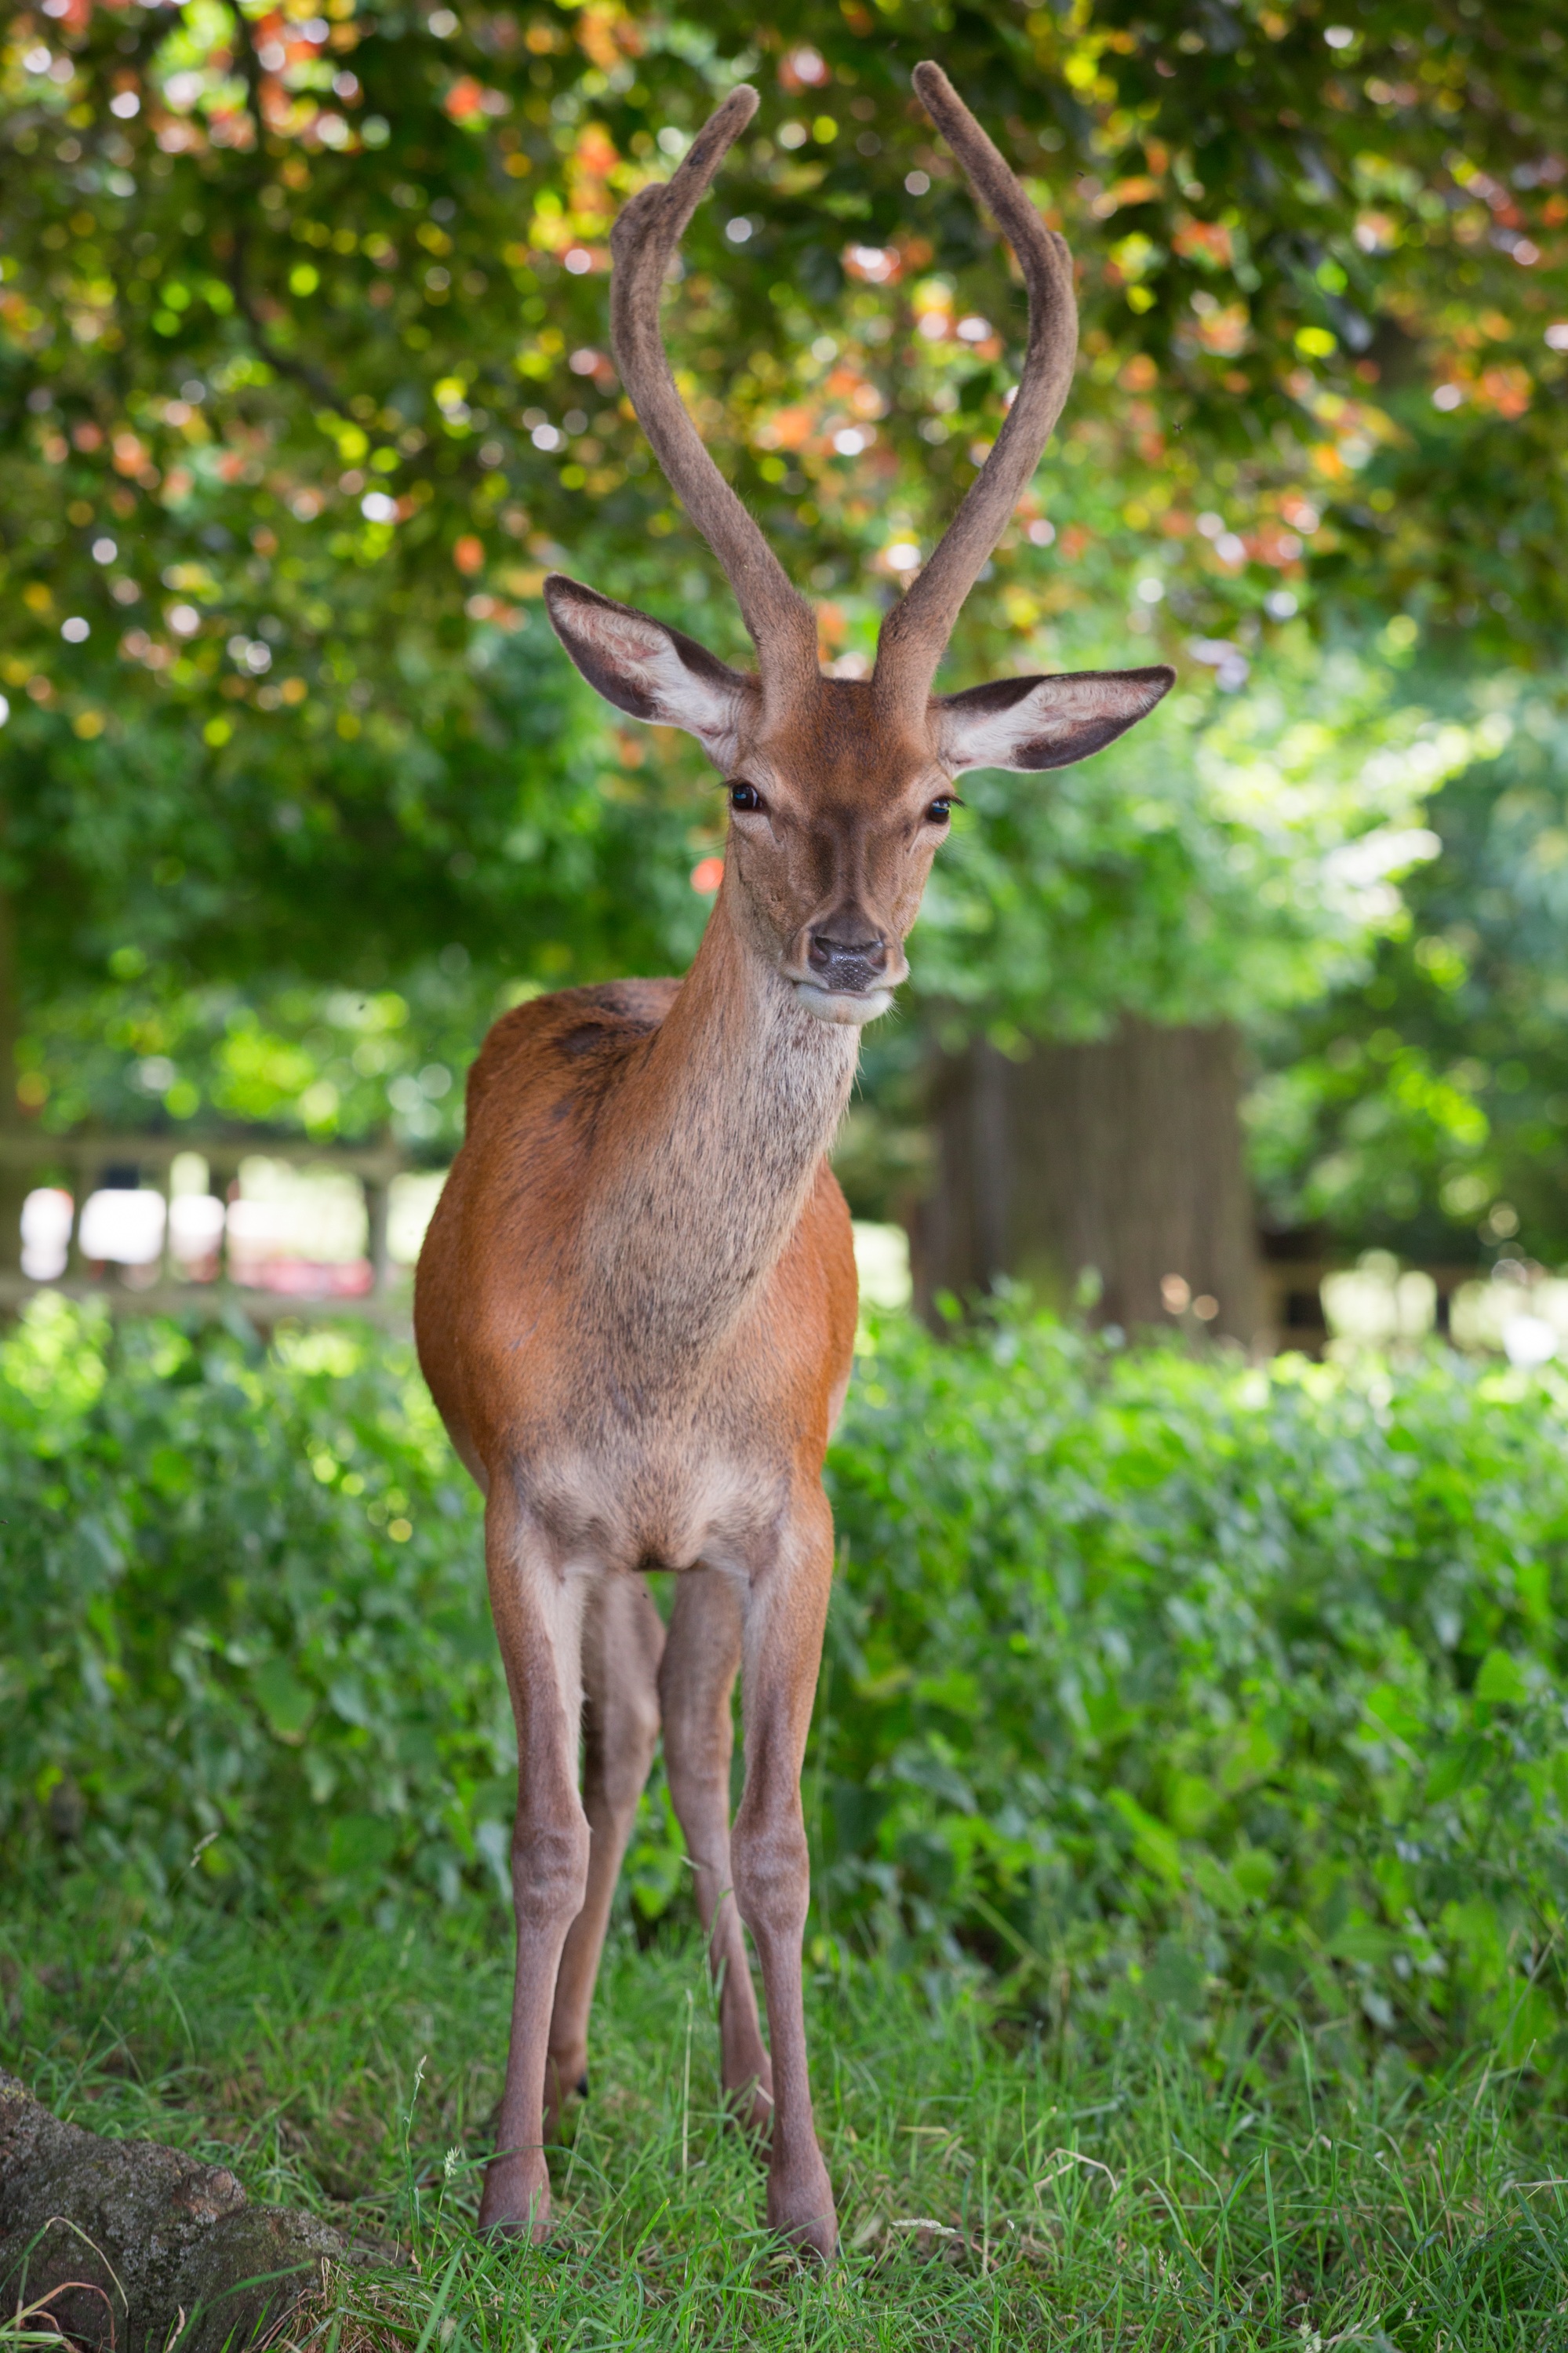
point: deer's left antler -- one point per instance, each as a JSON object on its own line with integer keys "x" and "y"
{"x": 916, "y": 631}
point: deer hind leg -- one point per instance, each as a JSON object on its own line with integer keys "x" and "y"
{"x": 697, "y": 1674}
{"x": 537, "y": 1609}
{"x": 622, "y": 1639}
{"x": 784, "y": 1613}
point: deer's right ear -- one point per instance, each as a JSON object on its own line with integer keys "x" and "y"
{"x": 650, "y": 670}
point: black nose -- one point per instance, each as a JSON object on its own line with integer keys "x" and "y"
{"x": 847, "y": 967}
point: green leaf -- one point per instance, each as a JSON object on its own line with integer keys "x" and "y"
{"x": 1500, "y": 1680}
{"x": 1363, "y": 1939}
{"x": 1155, "y": 1846}
{"x": 1455, "y": 1766}
{"x": 956, "y": 1691}
{"x": 1217, "y": 1885}
{"x": 1190, "y": 1802}
{"x": 1387, "y": 1704}
{"x": 1255, "y": 1871}
{"x": 287, "y": 1702}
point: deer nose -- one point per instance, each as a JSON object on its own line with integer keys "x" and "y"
{"x": 847, "y": 966}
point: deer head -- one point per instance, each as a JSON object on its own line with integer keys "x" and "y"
{"x": 840, "y": 789}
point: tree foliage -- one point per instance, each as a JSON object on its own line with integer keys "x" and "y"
{"x": 304, "y": 381}
{"x": 1427, "y": 1111}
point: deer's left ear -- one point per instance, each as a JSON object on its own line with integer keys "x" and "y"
{"x": 1043, "y": 722}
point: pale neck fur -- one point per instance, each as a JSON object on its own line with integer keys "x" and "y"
{"x": 704, "y": 1159}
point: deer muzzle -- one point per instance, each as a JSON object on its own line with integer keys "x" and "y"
{"x": 850, "y": 970}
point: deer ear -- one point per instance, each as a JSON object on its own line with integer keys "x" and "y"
{"x": 1043, "y": 722}
{"x": 647, "y": 670}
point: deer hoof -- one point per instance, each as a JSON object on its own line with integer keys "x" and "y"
{"x": 802, "y": 2212}
{"x": 516, "y": 2202}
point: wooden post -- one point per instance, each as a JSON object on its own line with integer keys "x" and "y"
{"x": 164, "y": 1181}
{"x": 377, "y": 1201}
{"x": 223, "y": 1177}
{"x": 82, "y": 1170}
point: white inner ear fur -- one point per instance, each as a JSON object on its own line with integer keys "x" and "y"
{"x": 1059, "y": 721}
{"x": 644, "y": 654}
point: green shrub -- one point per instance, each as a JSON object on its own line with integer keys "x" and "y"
{"x": 1152, "y": 1681}
{"x": 1151, "y": 1676}
{"x": 240, "y": 1594}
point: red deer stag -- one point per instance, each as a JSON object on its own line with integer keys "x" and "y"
{"x": 635, "y": 1304}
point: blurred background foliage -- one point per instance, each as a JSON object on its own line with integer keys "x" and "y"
{"x": 1436, "y": 1093}
{"x": 1149, "y": 1682}
{"x": 304, "y": 381}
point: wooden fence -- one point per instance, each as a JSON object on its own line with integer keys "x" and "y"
{"x": 83, "y": 1161}
{"x": 1293, "y": 1293}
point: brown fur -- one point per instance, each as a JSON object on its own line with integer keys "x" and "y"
{"x": 636, "y": 1303}
{"x": 636, "y": 1309}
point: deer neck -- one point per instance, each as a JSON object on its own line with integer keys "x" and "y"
{"x": 712, "y": 1147}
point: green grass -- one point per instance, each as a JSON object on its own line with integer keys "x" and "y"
{"x": 997, "y": 2188}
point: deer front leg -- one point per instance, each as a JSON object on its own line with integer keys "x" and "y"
{"x": 786, "y": 1610}
{"x": 701, "y": 1658}
{"x": 537, "y": 1603}
{"x": 622, "y": 1639}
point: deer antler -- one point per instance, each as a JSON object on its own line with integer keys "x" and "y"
{"x": 916, "y": 631}
{"x": 642, "y": 244}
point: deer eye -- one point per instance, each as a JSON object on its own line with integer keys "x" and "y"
{"x": 744, "y": 797}
{"x": 939, "y": 812}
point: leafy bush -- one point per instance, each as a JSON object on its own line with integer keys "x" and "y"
{"x": 1147, "y": 1671}
{"x": 1151, "y": 1682}
{"x": 240, "y": 1594}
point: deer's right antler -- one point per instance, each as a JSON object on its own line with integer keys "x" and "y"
{"x": 916, "y": 631}
{"x": 642, "y": 244}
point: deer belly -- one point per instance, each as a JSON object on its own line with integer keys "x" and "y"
{"x": 637, "y": 1510}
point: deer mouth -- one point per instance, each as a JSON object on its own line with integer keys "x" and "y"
{"x": 845, "y": 967}
{"x": 850, "y": 1008}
